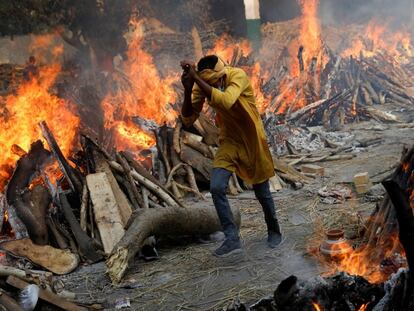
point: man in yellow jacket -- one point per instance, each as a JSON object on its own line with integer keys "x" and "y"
{"x": 243, "y": 146}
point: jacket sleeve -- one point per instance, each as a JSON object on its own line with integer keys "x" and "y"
{"x": 197, "y": 102}
{"x": 237, "y": 84}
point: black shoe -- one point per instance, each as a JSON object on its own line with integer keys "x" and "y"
{"x": 274, "y": 239}
{"x": 229, "y": 247}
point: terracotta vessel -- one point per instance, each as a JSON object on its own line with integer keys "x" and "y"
{"x": 335, "y": 244}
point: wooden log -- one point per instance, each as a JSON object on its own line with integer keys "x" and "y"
{"x": 236, "y": 183}
{"x": 85, "y": 243}
{"x": 53, "y": 259}
{"x": 192, "y": 141}
{"x": 275, "y": 184}
{"x": 142, "y": 171}
{"x": 163, "y": 195}
{"x": 196, "y": 160}
{"x": 177, "y": 193}
{"x": 161, "y": 137}
{"x": 47, "y": 295}
{"x": 405, "y": 219}
{"x": 366, "y": 96}
{"x": 125, "y": 208}
{"x": 175, "y": 157}
{"x": 161, "y": 222}
{"x": 7, "y": 303}
{"x": 382, "y": 115}
{"x": 84, "y": 208}
{"x": 192, "y": 181}
{"x": 231, "y": 188}
{"x": 211, "y": 136}
{"x": 287, "y": 172}
{"x": 174, "y": 170}
{"x": 145, "y": 197}
{"x": 136, "y": 198}
{"x": 40, "y": 200}
{"x": 71, "y": 175}
{"x": 17, "y": 150}
{"x": 198, "y": 47}
{"x": 106, "y": 210}
{"x": 188, "y": 189}
{"x": 24, "y": 274}
{"x": 31, "y": 216}
{"x": 177, "y": 136}
{"x": 58, "y": 237}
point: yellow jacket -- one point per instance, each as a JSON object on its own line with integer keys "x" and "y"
{"x": 243, "y": 145}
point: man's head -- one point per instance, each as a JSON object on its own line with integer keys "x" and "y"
{"x": 32, "y": 60}
{"x": 212, "y": 70}
{"x": 207, "y": 62}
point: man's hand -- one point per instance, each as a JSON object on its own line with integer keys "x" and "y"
{"x": 187, "y": 81}
{"x": 189, "y": 67}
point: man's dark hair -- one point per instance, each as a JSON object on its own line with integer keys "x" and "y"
{"x": 207, "y": 62}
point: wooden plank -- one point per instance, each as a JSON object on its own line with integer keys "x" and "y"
{"x": 58, "y": 261}
{"x": 275, "y": 184}
{"x": 106, "y": 210}
{"x": 125, "y": 208}
{"x": 47, "y": 295}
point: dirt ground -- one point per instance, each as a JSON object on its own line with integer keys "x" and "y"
{"x": 188, "y": 277}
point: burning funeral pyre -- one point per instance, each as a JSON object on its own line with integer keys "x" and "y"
{"x": 94, "y": 166}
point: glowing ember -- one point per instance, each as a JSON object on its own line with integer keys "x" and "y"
{"x": 140, "y": 92}
{"x": 316, "y": 306}
{"x": 363, "y": 307}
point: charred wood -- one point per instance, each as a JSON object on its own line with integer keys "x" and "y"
{"x": 85, "y": 243}
{"x": 72, "y": 176}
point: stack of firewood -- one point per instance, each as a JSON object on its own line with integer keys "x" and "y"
{"x": 187, "y": 157}
{"x": 349, "y": 89}
{"x": 102, "y": 205}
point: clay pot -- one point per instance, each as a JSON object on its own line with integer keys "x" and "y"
{"x": 335, "y": 244}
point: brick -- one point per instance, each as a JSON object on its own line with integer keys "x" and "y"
{"x": 313, "y": 169}
{"x": 361, "y": 179}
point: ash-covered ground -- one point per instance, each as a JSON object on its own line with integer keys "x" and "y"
{"x": 188, "y": 277}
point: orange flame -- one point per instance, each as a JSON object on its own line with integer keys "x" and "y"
{"x": 364, "y": 261}
{"x": 378, "y": 38}
{"x": 34, "y": 102}
{"x": 363, "y": 307}
{"x": 140, "y": 92}
{"x": 292, "y": 95}
{"x": 225, "y": 47}
{"x": 316, "y": 306}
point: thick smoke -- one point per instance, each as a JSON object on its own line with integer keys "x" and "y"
{"x": 397, "y": 13}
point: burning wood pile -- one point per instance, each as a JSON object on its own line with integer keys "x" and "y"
{"x": 389, "y": 232}
{"x": 56, "y": 215}
{"x": 298, "y": 77}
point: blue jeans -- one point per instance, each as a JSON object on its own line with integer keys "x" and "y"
{"x": 218, "y": 188}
